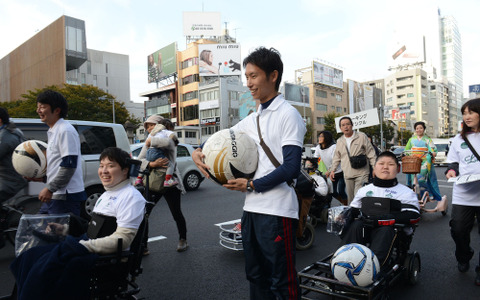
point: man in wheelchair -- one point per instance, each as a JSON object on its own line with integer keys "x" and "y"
{"x": 58, "y": 271}
{"x": 379, "y": 205}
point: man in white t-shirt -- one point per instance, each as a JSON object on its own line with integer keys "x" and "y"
{"x": 65, "y": 191}
{"x": 270, "y": 215}
{"x": 352, "y": 144}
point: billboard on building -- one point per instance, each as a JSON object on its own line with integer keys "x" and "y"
{"x": 199, "y": 23}
{"x": 162, "y": 63}
{"x": 219, "y": 59}
{"x": 406, "y": 50}
{"x": 297, "y": 93}
{"x": 360, "y": 96}
{"x": 474, "y": 91}
{"x": 327, "y": 75}
{"x": 246, "y": 105}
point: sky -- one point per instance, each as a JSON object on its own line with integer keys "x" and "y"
{"x": 348, "y": 34}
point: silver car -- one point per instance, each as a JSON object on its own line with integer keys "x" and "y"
{"x": 192, "y": 177}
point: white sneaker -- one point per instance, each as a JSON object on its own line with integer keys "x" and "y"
{"x": 170, "y": 182}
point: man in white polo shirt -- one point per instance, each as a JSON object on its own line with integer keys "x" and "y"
{"x": 270, "y": 217}
{"x": 65, "y": 191}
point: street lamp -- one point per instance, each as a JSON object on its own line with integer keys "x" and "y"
{"x": 113, "y": 110}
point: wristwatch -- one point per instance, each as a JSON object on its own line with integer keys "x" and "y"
{"x": 249, "y": 186}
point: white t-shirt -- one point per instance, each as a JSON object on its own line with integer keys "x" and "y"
{"x": 327, "y": 156}
{"x": 349, "y": 141}
{"x": 469, "y": 193}
{"x": 126, "y": 204}
{"x": 398, "y": 192}
{"x": 281, "y": 125}
{"x": 63, "y": 140}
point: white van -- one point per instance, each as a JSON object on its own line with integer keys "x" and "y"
{"x": 94, "y": 137}
{"x": 442, "y": 150}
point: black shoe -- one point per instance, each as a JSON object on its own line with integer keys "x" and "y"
{"x": 463, "y": 267}
{"x": 477, "y": 279}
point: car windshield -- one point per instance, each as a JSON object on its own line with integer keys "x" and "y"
{"x": 441, "y": 147}
{"x": 398, "y": 150}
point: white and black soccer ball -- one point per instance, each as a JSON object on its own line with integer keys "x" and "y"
{"x": 230, "y": 154}
{"x": 30, "y": 159}
{"x": 355, "y": 264}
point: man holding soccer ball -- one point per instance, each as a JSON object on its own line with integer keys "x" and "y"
{"x": 65, "y": 191}
{"x": 270, "y": 215}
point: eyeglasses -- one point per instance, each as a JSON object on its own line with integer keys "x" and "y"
{"x": 345, "y": 125}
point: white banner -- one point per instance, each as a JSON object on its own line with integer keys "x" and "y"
{"x": 361, "y": 119}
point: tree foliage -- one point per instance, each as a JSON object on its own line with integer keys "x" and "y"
{"x": 308, "y": 135}
{"x": 330, "y": 124}
{"x": 85, "y": 102}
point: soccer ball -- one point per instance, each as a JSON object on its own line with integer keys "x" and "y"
{"x": 30, "y": 159}
{"x": 355, "y": 264}
{"x": 230, "y": 154}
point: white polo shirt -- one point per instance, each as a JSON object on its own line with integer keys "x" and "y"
{"x": 126, "y": 204}
{"x": 281, "y": 125}
{"x": 63, "y": 140}
{"x": 465, "y": 194}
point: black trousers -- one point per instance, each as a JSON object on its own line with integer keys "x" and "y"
{"x": 173, "y": 197}
{"x": 461, "y": 225}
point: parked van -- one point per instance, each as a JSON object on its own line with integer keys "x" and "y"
{"x": 94, "y": 137}
{"x": 442, "y": 150}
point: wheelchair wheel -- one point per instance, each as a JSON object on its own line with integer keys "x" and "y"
{"x": 13, "y": 218}
{"x": 313, "y": 220}
{"x": 306, "y": 240}
{"x": 412, "y": 265}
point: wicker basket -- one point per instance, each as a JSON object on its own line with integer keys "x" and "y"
{"x": 411, "y": 164}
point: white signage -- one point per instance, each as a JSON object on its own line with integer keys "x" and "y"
{"x": 361, "y": 119}
{"x": 202, "y": 23}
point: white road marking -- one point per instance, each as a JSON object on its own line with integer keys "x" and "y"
{"x": 156, "y": 238}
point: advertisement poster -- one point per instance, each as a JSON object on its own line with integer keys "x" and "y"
{"x": 219, "y": 59}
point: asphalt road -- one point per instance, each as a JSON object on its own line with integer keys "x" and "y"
{"x": 209, "y": 271}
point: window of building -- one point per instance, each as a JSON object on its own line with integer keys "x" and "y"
{"x": 344, "y": 109}
{"x": 106, "y": 81}
{"x": 320, "y": 120}
{"x": 106, "y": 68}
{"x": 179, "y": 135}
{"x": 321, "y": 107}
{"x": 410, "y": 95}
{"x": 74, "y": 39}
{"x": 339, "y": 109}
{"x": 209, "y": 95}
{"x": 190, "y": 112}
{"x": 190, "y": 96}
{"x": 338, "y": 97}
{"x": 332, "y": 94}
{"x": 190, "y": 79}
{"x": 84, "y": 78}
{"x": 321, "y": 94}
{"x": 210, "y": 113}
{"x": 94, "y": 83}
{"x": 209, "y": 130}
{"x": 188, "y": 63}
{"x": 233, "y": 95}
{"x": 333, "y": 107}
{"x": 190, "y": 134}
{"x": 89, "y": 67}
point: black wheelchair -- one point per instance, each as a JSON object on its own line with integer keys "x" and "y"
{"x": 114, "y": 276}
{"x": 401, "y": 264}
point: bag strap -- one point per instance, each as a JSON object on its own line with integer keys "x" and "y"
{"x": 272, "y": 158}
{"x": 471, "y": 148}
{"x": 265, "y": 148}
{"x": 348, "y": 152}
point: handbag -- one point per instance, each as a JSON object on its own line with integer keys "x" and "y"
{"x": 357, "y": 162}
{"x": 156, "y": 180}
{"x": 304, "y": 188}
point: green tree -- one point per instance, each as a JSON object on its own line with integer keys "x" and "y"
{"x": 404, "y": 136}
{"x": 330, "y": 124}
{"x": 374, "y": 132}
{"x": 85, "y": 102}
{"x": 308, "y": 135}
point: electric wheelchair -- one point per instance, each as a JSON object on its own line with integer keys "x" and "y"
{"x": 401, "y": 264}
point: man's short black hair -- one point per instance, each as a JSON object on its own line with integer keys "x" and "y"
{"x": 345, "y": 118}
{"x": 117, "y": 155}
{"x": 388, "y": 154}
{"x": 55, "y": 100}
{"x": 4, "y": 116}
{"x": 268, "y": 60}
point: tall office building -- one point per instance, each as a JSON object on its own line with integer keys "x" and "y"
{"x": 451, "y": 49}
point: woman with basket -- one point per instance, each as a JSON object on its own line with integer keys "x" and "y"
{"x": 423, "y": 147}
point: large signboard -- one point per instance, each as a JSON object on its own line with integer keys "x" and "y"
{"x": 362, "y": 119}
{"x": 360, "y": 96}
{"x": 162, "y": 63}
{"x": 327, "y": 75}
{"x": 297, "y": 93}
{"x": 406, "y": 50}
{"x": 219, "y": 59}
{"x": 198, "y": 23}
{"x": 246, "y": 105}
{"x": 474, "y": 91}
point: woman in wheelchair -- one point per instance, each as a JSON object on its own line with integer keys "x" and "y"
{"x": 380, "y": 204}
{"x": 42, "y": 272}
